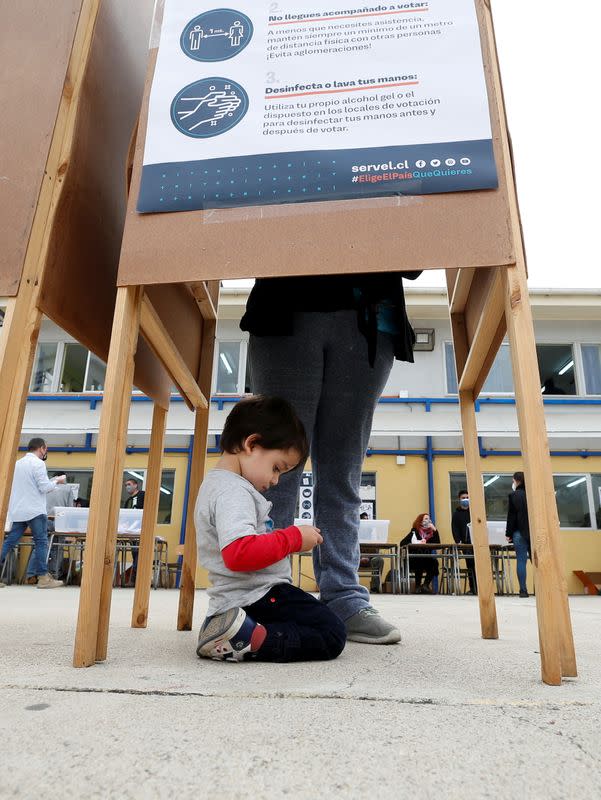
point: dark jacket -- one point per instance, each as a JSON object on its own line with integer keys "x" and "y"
{"x": 139, "y": 498}
{"x": 459, "y": 522}
{"x": 434, "y": 539}
{"x": 273, "y": 301}
{"x": 517, "y": 514}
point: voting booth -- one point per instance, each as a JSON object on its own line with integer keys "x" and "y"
{"x": 304, "y": 141}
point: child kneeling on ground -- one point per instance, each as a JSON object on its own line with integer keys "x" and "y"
{"x": 255, "y": 613}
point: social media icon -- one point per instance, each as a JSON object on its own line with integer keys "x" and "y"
{"x": 465, "y": 161}
{"x": 435, "y": 162}
{"x": 450, "y": 162}
{"x": 421, "y": 163}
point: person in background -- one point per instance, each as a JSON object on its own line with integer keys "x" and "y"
{"x": 135, "y": 499}
{"x": 461, "y": 534}
{"x": 81, "y": 502}
{"x": 518, "y": 528}
{"x": 423, "y": 531}
{"x": 375, "y": 563}
{"x": 255, "y": 613}
{"x": 135, "y": 496}
{"x": 27, "y": 508}
{"x": 61, "y": 495}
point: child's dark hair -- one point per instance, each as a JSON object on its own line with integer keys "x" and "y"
{"x": 272, "y": 419}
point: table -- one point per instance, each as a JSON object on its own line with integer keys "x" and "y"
{"x": 443, "y": 552}
{"x": 387, "y": 550}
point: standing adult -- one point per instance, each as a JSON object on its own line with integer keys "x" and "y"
{"x": 518, "y": 528}
{"x": 27, "y": 508}
{"x": 461, "y": 534}
{"x": 134, "y": 499}
{"x": 326, "y": 344}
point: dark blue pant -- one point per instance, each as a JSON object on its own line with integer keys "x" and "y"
{"x": 39, "y": 533}
{"x": 299, "y": 627}
{"x": 521, "y": 545}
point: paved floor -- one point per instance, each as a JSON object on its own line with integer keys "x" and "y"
{"x": 444, "y": 715}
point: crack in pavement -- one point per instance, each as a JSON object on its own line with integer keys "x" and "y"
{"x": 336, "y": 696}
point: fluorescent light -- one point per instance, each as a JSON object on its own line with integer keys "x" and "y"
{"x": 135, "y": 474}
{"x": 165, "y": 491}
{"x": 566, "y": 367}
{"x": 226, "y": 363}
{"x": 575, "y": 483}
{"x": 492, "y": 480}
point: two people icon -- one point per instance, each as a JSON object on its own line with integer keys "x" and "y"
{"x": 235, "y": 34}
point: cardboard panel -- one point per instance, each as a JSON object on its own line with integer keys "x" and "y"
{"x": 31, "y": 85}
{"x": 424, "y": 232}
{"x": 79, "y": 284}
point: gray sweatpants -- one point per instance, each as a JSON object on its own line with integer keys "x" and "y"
{"x": 323, "y": 371}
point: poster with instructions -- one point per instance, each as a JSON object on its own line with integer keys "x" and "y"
{"x": 290, "y": 101}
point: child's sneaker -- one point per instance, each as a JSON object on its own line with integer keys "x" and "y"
{"x": 227, "y": 636}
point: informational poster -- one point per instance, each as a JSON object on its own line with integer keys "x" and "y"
{"x": 290, "y": 101}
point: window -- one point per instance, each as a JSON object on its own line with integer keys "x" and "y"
{"x": 42, "y": 378}
{"x": 499, "y": 380}
{"x": 571, "y": 494}
{"x": 95, "y": 374}
{"x": 165, "y": 494}
{"x": 66, "y": 367}
{"x": 230, "y": 370}
{"x": 591, "y": 364}
{"x": 556, "y": 367}
{"x": 578, "y": 497}
{"x": 73, "y": 370}
{"x": 496, "y": 488}
{"x": 596, "y": 487}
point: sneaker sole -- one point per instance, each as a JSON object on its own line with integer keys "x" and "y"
{"x": 390, "y": 638}
{"x": 224, "y": 626}
{"x": 49, "y": 586}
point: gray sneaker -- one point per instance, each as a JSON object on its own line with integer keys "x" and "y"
{"x": 368, "y": 627}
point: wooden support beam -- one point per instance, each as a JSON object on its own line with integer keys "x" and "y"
{"x": 490, "y": 313}
{"x": 199, "y": 454}
{"x": 114, "y": 504}
{"x": 139, "y": 617}
{"x": 200, "y": 292}
{"x": 461, "y": 289}
{"x": 102, "y": 508}
{"x": 161, "y": 342}
{"x": 490, "y": 356}
{"x": 486, "y": 595}
{"x": 555, "y": 628}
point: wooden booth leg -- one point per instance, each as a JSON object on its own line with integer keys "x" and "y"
{"x": 554, "y": 625}
{"x": 139, "y": 617}
{"x": 486, "y": 595}
{"x": 17, "y": 363}
{"x": 104, "y": 509}
{"x": 199, "y": 455}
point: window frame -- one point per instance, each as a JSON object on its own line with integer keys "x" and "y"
{"x": 483, "y": 393}
{"x": 581, "y": 367}
{"x": 242, "y": 365}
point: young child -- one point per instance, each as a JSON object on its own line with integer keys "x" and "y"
{"x": 254, "y": 610}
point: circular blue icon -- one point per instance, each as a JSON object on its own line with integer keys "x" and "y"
{"x": 216, "y": 35}
{"x": 208, "y": 107}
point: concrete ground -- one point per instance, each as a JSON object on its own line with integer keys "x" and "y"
{"x": 443, "y": 715}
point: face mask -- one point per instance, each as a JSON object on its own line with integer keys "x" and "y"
{"x": 44, "y": 457}
{"x": 464, "y": 502}
{"x": 514, "y": 486}
{"x": 130, "y": 489}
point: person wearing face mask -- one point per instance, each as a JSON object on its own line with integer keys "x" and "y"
{"x": 461, "y": 534}
{"x": 27, "y": 508}
{"x": 518, "y": 528}
{"x": 135, "y": 499}
{"x": 423, "y": 531}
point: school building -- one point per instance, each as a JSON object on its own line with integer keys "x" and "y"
{"x": 414, "y": 463}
